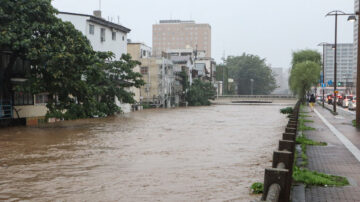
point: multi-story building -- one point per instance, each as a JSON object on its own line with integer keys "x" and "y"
{"x": 102, "y": 34}
{"x": 345, "y": 64}
{"x": 177, "y": 34}
{"x": 356, "y": 9}
{"x": 201, "y": 67}
{"x": 158, "y": 74}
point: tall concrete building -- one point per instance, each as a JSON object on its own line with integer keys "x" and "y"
{"x": 345, "y": 64}
{"x": 177, "y": 34}
{"x": 356, "y": 9}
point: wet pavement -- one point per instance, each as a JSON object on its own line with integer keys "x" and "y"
{"x": 188, "y": 154}
{"x": 334, "y": 158}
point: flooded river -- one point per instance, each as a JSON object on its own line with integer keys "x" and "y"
{"x": 188, "y": 154}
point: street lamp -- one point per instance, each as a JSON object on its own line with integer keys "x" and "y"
{"x": 323, "y": 44}
{"x": 337, "y": 13}
{"x": 252, "y": 86}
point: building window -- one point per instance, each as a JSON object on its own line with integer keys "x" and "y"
{"x": 114, "y": 36}
{"x": 21, "y": 98}
{"x": 91, "y": 29}
{"x": 144, "y": 70}
{"x": 123, "y": 38}
{"x": 102, "y": 35}
{"x": 41, "y": 99}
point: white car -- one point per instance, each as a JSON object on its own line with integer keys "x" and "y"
{"x": 347, "y": 99}
{"x": 352, "y": 104}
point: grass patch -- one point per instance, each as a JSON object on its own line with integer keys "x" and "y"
{"x": 318, "y": 179}
{"x": 304, "y": 140}
{"x": 287, "y": 110}
{"x": 257, "y": 188}
{"x": 354, "y": 124}
{"x": 302, "y": 126}
{"x": 301, "y": 115}
{"x": 308, "y": 121}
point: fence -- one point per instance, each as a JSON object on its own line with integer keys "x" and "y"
{"x": 278, "y": 179}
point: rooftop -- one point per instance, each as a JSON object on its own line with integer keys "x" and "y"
{"x": 101, "y": 21}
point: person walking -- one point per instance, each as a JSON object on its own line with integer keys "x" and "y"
{"x": 312, "y": 102}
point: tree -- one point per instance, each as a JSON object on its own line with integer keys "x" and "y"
{"x": 200, "y": 93}
{"x": 247, "y": 67}
{"x": 305, "y": 71}
{"x": 24, "y": 24}
{"x": 81, "y": 82}
{"x": 305, "y": 55}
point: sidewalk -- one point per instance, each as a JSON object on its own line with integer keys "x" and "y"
{"x": 336, "y": 158}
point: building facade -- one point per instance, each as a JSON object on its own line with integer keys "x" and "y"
{"x": 345, "y": 64}
{"x": 102, "y": 34}
{"x": 177, "y": 34}
{"x": 161, "y": 81}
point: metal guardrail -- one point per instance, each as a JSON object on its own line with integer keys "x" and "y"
{"x": 6, "y": 109}
{"x": 278, "y": 179}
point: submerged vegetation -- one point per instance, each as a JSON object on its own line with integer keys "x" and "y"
{"x": 257, "y": 188}
{"x": 287, "y": 110}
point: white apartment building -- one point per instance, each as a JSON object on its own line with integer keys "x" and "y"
{"x": 345, "y": 64}
{"x": 102, "y": 34}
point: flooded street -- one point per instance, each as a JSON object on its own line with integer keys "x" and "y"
{"x": 188, "y": 154}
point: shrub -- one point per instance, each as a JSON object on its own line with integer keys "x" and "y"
{"x": 287, "y": 110}
{"x": 257, "y": 188}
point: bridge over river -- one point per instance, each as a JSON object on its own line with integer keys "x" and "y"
{"x": 254, "y": 99}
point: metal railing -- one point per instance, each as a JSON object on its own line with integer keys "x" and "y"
{"x": 278, "y": 179}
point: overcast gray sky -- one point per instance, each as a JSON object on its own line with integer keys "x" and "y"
{"x": 272, "y": 29}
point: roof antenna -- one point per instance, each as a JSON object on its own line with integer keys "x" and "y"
{"x": 118, "y": 20}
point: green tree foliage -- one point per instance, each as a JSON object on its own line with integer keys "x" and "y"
{"x": 24, "y": 24}
{"x": 246, "y": 67}
{"x": 305, "y": 55}
{"x": 305, "y": 71}
{"x": 81, "y": 82}
{"x": 200, "y": 93}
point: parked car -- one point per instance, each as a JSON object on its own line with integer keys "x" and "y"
{"x": 329, "y": 99}
{"x": 346, "y": 100}
{"x": 352, "y": 104}
{"x": 340, "y": 99}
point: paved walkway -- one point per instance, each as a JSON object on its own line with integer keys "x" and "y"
{"x": 336, "y": 158}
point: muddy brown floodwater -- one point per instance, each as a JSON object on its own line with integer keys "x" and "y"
{"x": 188, "y": 154}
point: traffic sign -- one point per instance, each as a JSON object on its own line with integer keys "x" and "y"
{"x": 330, "y": 82}
{"x": 336, "y": 92}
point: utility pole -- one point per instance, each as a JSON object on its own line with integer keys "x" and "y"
{"x": 358, "y": 71}
{"x": 335, "y": 62}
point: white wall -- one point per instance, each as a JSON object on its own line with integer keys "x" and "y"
{"x": 81, "y": 23}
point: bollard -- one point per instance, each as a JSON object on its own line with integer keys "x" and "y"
{"x": 290, "y": 130}
{"x": 291, "y": 125}
{"x": 275, "y": 176}
{"x": 285, "y": 157}
{"x": 289, "y": 136}
{"x": 287, "y": 145}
